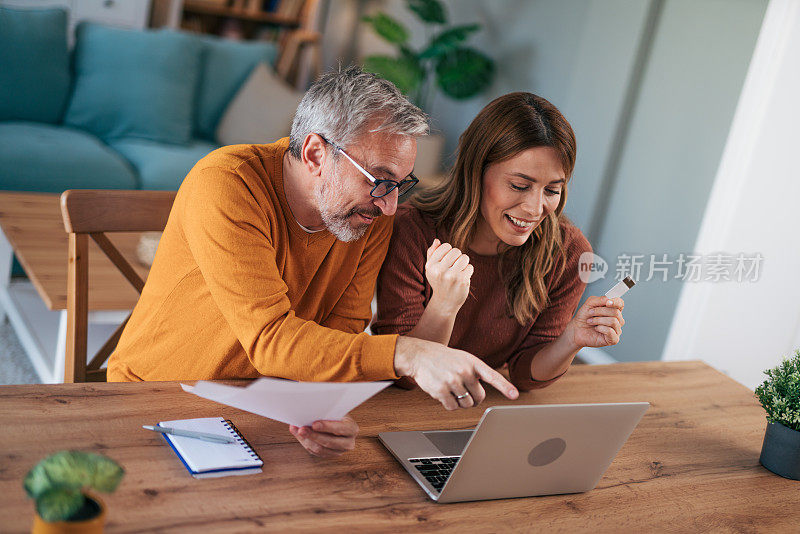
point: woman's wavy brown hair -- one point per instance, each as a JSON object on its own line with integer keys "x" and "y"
{"x": 505, "y": 127}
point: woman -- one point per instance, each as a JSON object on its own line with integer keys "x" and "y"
{"x": 486, "y": 262}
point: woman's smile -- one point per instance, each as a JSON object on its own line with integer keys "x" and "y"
{"x": 521, "y": 224}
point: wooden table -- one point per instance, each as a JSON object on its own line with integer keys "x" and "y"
{"x": 33, "y": 230}
{"x": 690, "y": 466}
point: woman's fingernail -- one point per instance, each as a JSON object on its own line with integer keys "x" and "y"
{"x": 609, "y": 303}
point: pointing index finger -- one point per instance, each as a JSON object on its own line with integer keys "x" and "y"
{"x": 496, "y": 380}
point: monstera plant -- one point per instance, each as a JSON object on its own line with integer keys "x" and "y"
{"x": 459, "y": 71}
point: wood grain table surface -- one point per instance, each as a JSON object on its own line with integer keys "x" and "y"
{"x": 690, "y": 466}
{"x": 32, "y": 224}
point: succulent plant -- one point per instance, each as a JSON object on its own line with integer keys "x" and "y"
{"x": 780, "y": 393}
{"x": 57, "y": 482}
{"x": 459, "y": 71}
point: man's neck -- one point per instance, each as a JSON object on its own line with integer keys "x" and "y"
{"x": 299, "y": 190}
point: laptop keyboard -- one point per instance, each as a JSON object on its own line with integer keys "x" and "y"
{"x": 435, "y": 470}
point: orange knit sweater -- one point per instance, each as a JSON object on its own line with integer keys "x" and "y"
{"x": 238, "y": 289}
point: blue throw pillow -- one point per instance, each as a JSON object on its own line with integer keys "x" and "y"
{"x": 226, "y": 66}
{"x": 34, "y": 64}
{"x": 131, "y": 83}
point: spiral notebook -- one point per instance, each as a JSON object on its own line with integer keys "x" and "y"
{"x": 205, "y": 459}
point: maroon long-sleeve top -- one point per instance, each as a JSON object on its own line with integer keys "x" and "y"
{"x": 484, "y": 326}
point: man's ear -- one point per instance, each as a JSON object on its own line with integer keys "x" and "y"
{"x": 313, "y": 154}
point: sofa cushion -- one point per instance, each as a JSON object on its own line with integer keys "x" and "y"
{"x": 42, "y": 157}
{"x": 261, "y": 112}
{"x": 226, "y": 65}
{"x": 132, "y": 83}
{"x": 34, "y": 64}
{"x": 161, "y": 166}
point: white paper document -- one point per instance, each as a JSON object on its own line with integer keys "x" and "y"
{"x": 294, "y": 403}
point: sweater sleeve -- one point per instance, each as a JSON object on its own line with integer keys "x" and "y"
{"x": 401, "y": 282}
{"x": 353, "y": 311}
{"x": 228, "y": 234}
{"x": 564, "y": 294}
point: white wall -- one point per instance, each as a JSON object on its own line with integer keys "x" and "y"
{"x": 743, "y": 329}
{"x": 669, "y": 156}
{"x": 596, "y": 97}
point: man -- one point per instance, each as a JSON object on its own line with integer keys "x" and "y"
{"x": 268, "y": 262}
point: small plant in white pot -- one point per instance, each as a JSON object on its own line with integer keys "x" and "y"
{"x": 780, "y": 397}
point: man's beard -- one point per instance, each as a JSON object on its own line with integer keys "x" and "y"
{"x": 335, "y": 221}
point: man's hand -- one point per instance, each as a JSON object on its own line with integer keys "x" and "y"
{"x": 327, "y": 438}
{"x": 448, "y": 375}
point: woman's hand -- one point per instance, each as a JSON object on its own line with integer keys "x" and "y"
{"x": 448, "y": 271}
{"x": 598, "y": 323}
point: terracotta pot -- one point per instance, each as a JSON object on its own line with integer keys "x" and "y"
{"x": 92, "y": 525}
{"x": 780, "y": 452}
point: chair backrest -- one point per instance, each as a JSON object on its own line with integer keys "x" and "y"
{"x": 87, "y": 211}
{"x": 93, "y": 213}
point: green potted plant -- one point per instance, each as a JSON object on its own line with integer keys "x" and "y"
{"x": 780, "y": 397}
{"x": 445, "y": 62}
{"x": 60, "y": 485}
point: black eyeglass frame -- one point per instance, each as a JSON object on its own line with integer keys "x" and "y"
{"x": 377, "y": 182}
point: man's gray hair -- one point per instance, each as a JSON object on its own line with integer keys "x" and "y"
{"x": 340, "y": 105}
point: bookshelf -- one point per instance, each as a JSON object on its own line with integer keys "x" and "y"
{"x": 209, "y": 14}
{"x": 292, "y": 24}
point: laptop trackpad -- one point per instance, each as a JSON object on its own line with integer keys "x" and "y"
{"x": 450, "y": 442}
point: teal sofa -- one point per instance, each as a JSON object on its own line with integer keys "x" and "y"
{"x": 124, "y": 109}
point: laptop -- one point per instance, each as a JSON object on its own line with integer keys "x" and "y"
{"x": 518, "y": 451}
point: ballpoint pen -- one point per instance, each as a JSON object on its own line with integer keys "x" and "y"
{"x": 216, "y": 438}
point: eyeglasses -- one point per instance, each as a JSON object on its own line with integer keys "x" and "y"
{"x": 380, "y": 187}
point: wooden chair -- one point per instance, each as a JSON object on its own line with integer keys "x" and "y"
{"x": 93, "y": 213}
